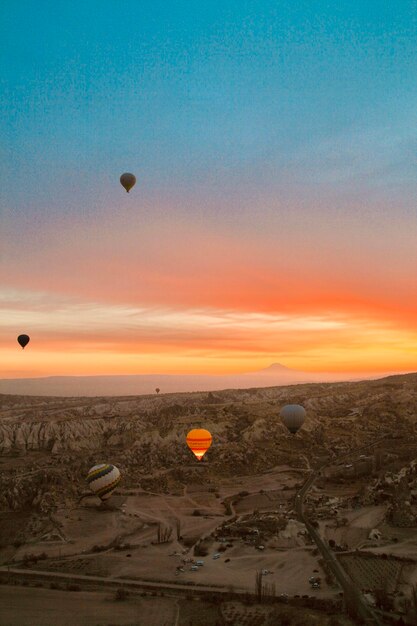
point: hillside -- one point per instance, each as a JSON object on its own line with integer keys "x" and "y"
{"x": 275, "y": 374}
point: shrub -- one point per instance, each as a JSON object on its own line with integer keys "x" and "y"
{"x": 121, "y": 594}
{"x": 98, "y": 548}
{"x": 189, "y": 541}
{"x": 200, "y": 550}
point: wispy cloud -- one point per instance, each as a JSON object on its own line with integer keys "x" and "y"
{"x": 40, "y": 312}
{"x": 70, "y": 336}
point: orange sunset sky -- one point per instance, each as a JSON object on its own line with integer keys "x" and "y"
{"x": 274, "y": 217}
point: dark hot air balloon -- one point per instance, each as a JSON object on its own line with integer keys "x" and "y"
{"x": 127, "y": 181}
{"x": 23, "y": 340}
{"x": 293, "y": 416}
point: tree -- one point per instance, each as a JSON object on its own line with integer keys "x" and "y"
{"x": 382, "y": 600}
{"x": 121, "y": 594}
{"x": 163, "y": 534}
{"x": 178, "y": 529}
{"x": 258, "y": 586}
{"x": 200, "y": 550}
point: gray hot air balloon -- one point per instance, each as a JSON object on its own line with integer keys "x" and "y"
{"x": 127, "y": 181}
{"x": 293, "y": 416}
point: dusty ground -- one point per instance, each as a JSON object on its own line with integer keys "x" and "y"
{"x": 134, "y": 521}
{"x": 355, "y": 533}
{"x": 27, "y": 606}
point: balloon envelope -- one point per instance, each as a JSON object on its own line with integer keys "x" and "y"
{"x": 23, "y": 340}
{"x": 293, "y": 416}
{"x": 128, "y": 181}
{"x": 199, "y": 441}
{"x": 103, "y": 479}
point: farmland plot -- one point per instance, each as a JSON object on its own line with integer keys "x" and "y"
{"x": 372, "y": 572}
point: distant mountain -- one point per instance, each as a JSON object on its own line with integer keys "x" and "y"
{"x": 274, "y": 375}
{"x": 276, "y": 368}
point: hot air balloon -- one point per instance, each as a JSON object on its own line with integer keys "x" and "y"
{"x": 23, "y": 340}
{"x": 103, "y": 479}
{"x": 128, "y": 181}
{"x": 293, "y": 416}
{"x": 199, "y": 441}
{"x": 157, "y": 390}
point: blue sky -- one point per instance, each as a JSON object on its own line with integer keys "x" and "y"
{"x": 189, "y": 90}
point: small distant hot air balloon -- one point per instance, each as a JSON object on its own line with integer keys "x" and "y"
{"x": 23, "y": 340}
{"x": 128, "y": 181}
{"x": 157, "y": 390}
{"x": 293, "y": 416}
{"x": 103, "y": 479}
{"x": 199, "y": 441}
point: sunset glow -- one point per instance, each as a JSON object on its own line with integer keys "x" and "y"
{"x": 273, "y": 219}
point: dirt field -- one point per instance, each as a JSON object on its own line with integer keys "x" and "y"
{"x": 20, "y": 606}
{"x": 88, "y": 533}
{"x": 198, "y": 613}
{"x": 355, "y": 533}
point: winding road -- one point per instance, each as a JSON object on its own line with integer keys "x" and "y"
{"x": 352, "y": 594}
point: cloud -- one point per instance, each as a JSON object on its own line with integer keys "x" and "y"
{"x": 94, "y": 337}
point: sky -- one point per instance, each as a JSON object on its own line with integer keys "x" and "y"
{"x": 274, "y": 217}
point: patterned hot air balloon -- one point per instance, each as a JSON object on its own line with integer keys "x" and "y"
{"x": 103, "y": 479}
{"x": 128, "y": 181}
{"x": 293, "y": 416}
{"x": 199, "y": 441}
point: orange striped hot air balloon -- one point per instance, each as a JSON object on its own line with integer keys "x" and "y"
{"x": 199, "y": 441}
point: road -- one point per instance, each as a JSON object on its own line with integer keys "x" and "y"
{"x": 83, "y": 579}
{"x": 351, "y": 592}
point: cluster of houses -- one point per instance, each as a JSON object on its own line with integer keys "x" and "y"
{"x": 253, "y": 529}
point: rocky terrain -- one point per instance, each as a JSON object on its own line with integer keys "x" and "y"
{"x": 48, "y": 444}
{"x": 359, "y": 438}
